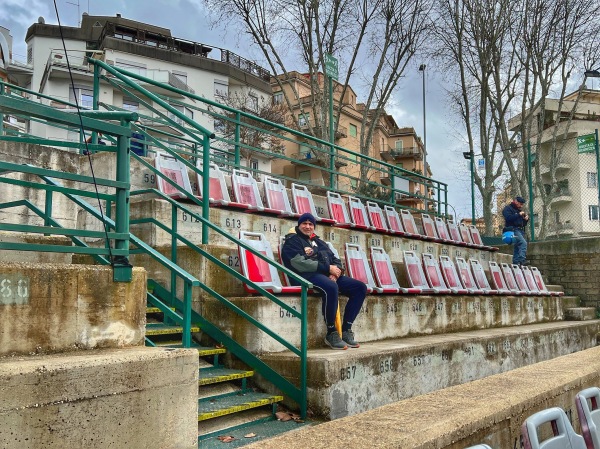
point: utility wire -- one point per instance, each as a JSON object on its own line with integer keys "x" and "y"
{"x": 82, "y": 132}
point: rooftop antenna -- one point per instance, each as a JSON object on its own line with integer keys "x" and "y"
{"x": 78, "y": 11}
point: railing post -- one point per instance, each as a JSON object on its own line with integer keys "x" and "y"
{"x": 48, "y": 209}
{"x": 530, "y": 186}
{"x": 1, "y": 114}
{"x": 303, "y": 351}
{"x": 331, "y": 137}
{"x": 121, "y": 265}
{"x": 173, "y": 251}
{"x": 205, "y": 187}
{"x": 95, "y": 101}
{"x": 187, "y": 315}
{"x": 237, "y": 158}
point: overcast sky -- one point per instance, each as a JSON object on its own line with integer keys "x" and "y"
{"x": 186, "y": 19}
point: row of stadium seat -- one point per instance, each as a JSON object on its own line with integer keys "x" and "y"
{"x": 426, "y": 275}
{"x": 353, "y": 214}
{"x": 556, "y": 420}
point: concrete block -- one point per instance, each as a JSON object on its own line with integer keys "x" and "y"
{"x": 382, "y": 317}
{"x": 343, "y": 383}
{"x": 489, "y": 410}
{"x": 35, "y": 256}
{"x": 133, "y": 398}
{"x": 580, "y": 313}
{"x": 53, "y": 307}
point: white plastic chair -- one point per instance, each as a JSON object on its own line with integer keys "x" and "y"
{"x": 563, "y": 435}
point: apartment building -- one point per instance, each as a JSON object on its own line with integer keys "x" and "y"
{"x": 395, "y": 145}
{"x": 148, "y": 50}
{"x": 568, "y": 169}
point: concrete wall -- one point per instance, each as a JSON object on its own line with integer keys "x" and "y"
{"x": 574, "y": 264}
{"x": 489, "y": 410}
{"x": 55, "y": 307}
{"x": 136, "y": 398}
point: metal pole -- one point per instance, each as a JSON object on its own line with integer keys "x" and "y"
{"x": 205, "y": 187}
{"x": 530, "y": 185}
{"x": 303, "y": 351}
{"x": 238, "y": 118}
{"x": 331, "y": 137}
{"x": 598, "y": 169}
{"x": 422, "y": 68}
{"x": 95, "y": 102}
{"x": 472, "y": 188}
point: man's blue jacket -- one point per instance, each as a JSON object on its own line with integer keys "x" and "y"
{"x": 512, "y": 218}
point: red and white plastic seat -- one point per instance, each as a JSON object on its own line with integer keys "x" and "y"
{"x": 277, "y": 198}
{"x": 258, "y": 270}
{"x": 338, "y": 210}
{"x": 434, "y": 275}
{"x": 455, "y": 233}
{"x": 465, "y": 235}
{"x": 409, "y": 225}
{"x": 429, "y": 228}
{"x": 521, "y": 282}
{"x": 358, "y": 267}
{"x": 303, "y": 203}
{"x": 481, "y": 278}
{"x": 442, "y": 229}
{"x": 477, "y": 240}
{"x": 376, "y": 217}
{"x": 393, "y": 220}
{"x": 587, "y": 403}
{"x": 464, "y": 271}
{"x": 451, "y": 276}
{"x": 218, "y": 194}
{"x": 531, "y": 281}
{"x": 498, "y": 278}
{"x": 176, "y": 171}
{"x": 414, "y": 273}
{"x": 511, "y": 282}
{"x": 539, "y": 280}
{"x": 358, "y": 214}
{"x": 563, "y": 435}
{"x": 246, "y": 191}
{"x": 384, "y": 272}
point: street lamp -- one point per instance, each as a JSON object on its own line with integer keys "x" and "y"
{"x": 422, "y": 69}
{"x": 468, "y": 155}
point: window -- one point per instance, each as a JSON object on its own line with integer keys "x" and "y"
{"x": 278, "y": 98}
{"x": 130, "y": 66}
{"x": 557, "y": 217}
{"x": 399, "y": 145}
{"x": 85, "y": 97}
{"x": 29, "y": 55}
{"x": 187, "y": 111}
{"x": 252, "y": 102}
{"x": 352, "y": 130}
{"x": 130, "y": 105}
{"x": 304, "y": 175}
{"x": 354, "y": 183}
{"x": 221, "y": 89}
{"x": 536, "y": 220}
{"x": 592, "y": 180}
{"x": 305, "y": 152}
{"x": 593, "y": 212}
{"x": 254, "y": 164}
{"x": 400, "y": 164}
{"x": 303, "y": 119}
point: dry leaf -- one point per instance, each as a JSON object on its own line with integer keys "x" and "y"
{"x": 226, "y": 438}
{"x": 219, "y": 346}
{"x": 283, "y": 416}
{"x": 250, "y": 435}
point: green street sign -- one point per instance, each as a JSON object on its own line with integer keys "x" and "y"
{"x": 331, "y": 66}
{"x": 586, "y": 144}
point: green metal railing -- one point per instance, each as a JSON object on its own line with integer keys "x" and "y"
{"x": 159, "y": 296}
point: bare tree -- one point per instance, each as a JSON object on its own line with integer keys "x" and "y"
{"x": 255, "y": 138}
{"x": 374, "y": 41}
{"x": 504, "y": 58}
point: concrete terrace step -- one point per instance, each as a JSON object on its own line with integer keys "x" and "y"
{"x": 163, "y": 329}
{"x": 215, "y": 406}
{"x": 202, "y": 350}
{"x": 385, "y": 316}
{"x": 342, "y": 383}
{"x": 214, "y": 375}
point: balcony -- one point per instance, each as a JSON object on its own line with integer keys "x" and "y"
{"x": 389, "y": 154}
{"x": 563, "y": 165}
{"x": 308, "y": 158}
{"x": 561, "y": 229}
{"x": 561, "y": 195}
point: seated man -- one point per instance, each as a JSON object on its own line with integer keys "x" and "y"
{"x": 306, "y": 254}
{"x": 515, "y": 221}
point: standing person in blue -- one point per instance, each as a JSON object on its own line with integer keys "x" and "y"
{"x": 515, "y": 221}
{"x": 306, "y": 254}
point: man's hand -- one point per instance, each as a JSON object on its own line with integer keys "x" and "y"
{"x": 333, "y": 278}
{"x": 335, "y": 271}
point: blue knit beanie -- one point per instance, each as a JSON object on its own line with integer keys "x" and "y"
{"x": 307, "y": 217}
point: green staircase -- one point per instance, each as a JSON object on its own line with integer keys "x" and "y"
{"x": 212, "y": 371}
